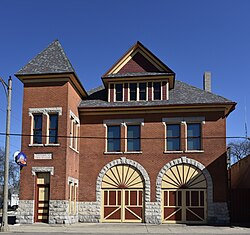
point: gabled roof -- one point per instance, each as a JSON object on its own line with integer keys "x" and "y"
{"x": 50, "y": 61}
{"x": 138, "y": 61}
{"x": 183, "y": 94}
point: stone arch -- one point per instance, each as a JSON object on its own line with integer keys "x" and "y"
{"x": 125, "y": 161}
{"x": 192, "y": 162}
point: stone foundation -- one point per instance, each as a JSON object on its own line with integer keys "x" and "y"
{"x": 58, "y": 213}
{"x": 25, "y": 212}
{"x": 89, "y": 212}
{"x": 152, "y": 213}
{"x": 218, "y": 214}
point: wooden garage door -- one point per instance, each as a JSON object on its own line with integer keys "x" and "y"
{"x": 122, "y": 195}
{"x": 184, "y": 195}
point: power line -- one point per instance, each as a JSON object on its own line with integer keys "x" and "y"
{"x": 146, "y": 138}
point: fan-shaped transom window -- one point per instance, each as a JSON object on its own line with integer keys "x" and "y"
{"x": 122, "y": 176}
{"x": 184, "y": 176}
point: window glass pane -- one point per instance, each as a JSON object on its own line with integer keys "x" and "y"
{"x": 113, "y": 139}
{"x": 173, "y": 137}
{"x": 194, "y": 136}
{"x": 133, "y": 91}
{"x": 157, "y": 90}
{"x": 53, "y": 128}
{"x": 119, "y": 92}
{"x": 133, "y": 138}
{"x": 37, "y": 129}
{"x": 142, "y": 89}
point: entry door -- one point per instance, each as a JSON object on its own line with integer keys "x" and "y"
{"x": 122, "y": 195}
{"x": 184, "y": 206}
{"x": 42, "y": 197}
{"x": 184, "y": 191}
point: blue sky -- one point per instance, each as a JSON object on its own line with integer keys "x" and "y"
{"x": 189, "y": 36}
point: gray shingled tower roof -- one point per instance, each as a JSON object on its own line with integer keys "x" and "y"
{"x": 50, "y": 61}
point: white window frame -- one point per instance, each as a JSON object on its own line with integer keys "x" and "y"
{"x": 183, "y": 121}
{"x": 46, "y": 112}
{"x": 122, "y": 123}
{"x": 122, "y": 91}
{"x": 72, "y": 182}
{"x": 74, "y": 131}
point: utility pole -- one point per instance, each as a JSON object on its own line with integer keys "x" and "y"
{"x": 5, "y": 226}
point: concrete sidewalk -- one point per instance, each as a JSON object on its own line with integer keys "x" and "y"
{"x": 88, "y": 228}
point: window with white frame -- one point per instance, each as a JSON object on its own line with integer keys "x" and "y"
{"x": 113, "y": 138}
{"x": 119, "y": 92}
{"x": 173, "y": 137}
{"x": 51, "y": 124}
{"x": 193, "y": 136}
{"x": 74, "y": 131}
{"x": 37, "y": 128}
{"x": 192, "y": 133}
{"x": 73, "y": 185}
{"x": 131, "y": 139}
{"x": 157, "y": 91}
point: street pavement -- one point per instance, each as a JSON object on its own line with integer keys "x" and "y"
{"x": 112, "y": 228}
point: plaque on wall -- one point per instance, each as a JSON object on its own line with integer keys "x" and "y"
{"x": 42, "y": 155}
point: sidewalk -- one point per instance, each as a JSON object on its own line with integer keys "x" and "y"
{"x": 88, "y": 228}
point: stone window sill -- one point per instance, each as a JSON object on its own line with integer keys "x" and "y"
{"x": 113, "y": 153}
{"x": 179, "y": 151}
{"x": 52, "y": 145}
{"x": 36, "y": 145}
{"x": 133, "y": 152}
{"x": 194, "y": 151}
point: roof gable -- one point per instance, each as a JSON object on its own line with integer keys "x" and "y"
{"x": 50, "y": 61}
{"x": 138, "y": 59}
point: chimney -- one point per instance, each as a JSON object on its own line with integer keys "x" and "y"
{"x": 207, "y": 81}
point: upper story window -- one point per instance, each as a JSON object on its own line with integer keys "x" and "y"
{"x": 142, "y": 91}
{"x": 157, "y": 90}
{"x": 133, "y": 91}
{"x": 74, "y": 131}
{"x": 113, "y": 139}
{"x": 173, "y": 137}
{"x": 186, "y": 128}
{"x": 133, "y": 138}
{"x": 119, "y": 92}
{"x": 37, "y": 128}
{"x": 51, "y": 126}
{"x": 193, "y": 136}
{"x": 129, "y": 141}
{"x": 138, "y": 91}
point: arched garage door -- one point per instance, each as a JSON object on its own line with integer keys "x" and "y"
{"x": 184, "y": 193}
{"x": 122, "y": 195}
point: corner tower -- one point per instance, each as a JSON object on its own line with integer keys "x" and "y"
{"x": 52, "y": 92}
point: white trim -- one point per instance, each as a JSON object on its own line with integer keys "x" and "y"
{"x": 34, "y": 170}
{"x": 123, "y": 121}
{"x": 72, "y": 180}
{"x": 36, "y": 145}
{"x": 46, "y": 110}
{"x": 109, "y": 92}
{"x": 167, "y": 90}
{"x": 72, "y": 115}
{"x": 52, "y": 145}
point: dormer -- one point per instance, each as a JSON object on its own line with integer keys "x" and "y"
{"x": 138, "y": 76}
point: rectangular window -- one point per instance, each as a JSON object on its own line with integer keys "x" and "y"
{"x": 114, "y": 139}
{"x": 133, "y": 138}
{"x": 194, "y": 136}
{"x": 119, "y": 92}
{"x": 37, "y": 129}
{"x": 133, "y": 91}
{"x": 53, "y": 128}
{"x": 157, "y": 90}
{"x": 173, "y": 137}
{"x": 142, "y": 91}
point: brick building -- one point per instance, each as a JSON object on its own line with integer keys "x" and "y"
{"x": 143, "y": 147}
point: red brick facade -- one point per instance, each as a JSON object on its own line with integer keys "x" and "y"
{"x": 85, "y": 165}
